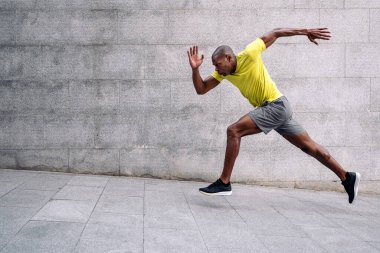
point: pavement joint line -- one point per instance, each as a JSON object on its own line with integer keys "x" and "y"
{"x": 84, "y": 227}
{"x": 262, "y": 243}
{"x": 29, "y": 219}
{"x": 195, "y": 220}
{"x": 144, "y": 218}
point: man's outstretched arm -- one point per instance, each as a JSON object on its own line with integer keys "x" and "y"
{"x": 312, "y": 34}
{"x": 200, "y": 85}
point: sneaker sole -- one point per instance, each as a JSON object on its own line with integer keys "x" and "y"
{"x": 356, "y": 185}
{"x": 217, "y": 193}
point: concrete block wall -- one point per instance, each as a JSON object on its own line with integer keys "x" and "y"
{"x": 105, "y": 87}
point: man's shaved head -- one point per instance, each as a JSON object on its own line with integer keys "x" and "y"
{"x": 222, "y": 51}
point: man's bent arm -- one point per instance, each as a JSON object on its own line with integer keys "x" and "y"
{"x": 201, "y": 86}
{"x": 312, "y": 34}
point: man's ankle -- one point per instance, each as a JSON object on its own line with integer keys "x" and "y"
{"x": 224, "y": 181}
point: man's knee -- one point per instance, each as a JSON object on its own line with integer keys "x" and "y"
{"x": 233, "y": 132}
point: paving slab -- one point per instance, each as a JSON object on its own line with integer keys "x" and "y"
{"x": 59, "y": 212}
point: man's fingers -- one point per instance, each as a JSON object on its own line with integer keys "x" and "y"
{"x": 202, "y": 57}
{"x": 196, "y": 49}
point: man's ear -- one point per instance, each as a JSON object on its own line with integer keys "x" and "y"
{"x": 228, "y": 57}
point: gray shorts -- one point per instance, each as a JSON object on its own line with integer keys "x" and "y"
{"x": 276, "y": 115}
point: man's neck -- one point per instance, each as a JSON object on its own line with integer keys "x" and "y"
{"x": 235, "y": 65}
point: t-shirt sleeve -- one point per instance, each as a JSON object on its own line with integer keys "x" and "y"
{"x": 255, "y": 47}
{"x": 217, "y": 76}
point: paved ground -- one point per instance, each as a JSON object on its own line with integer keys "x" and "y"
{"x": 57, "y": 212}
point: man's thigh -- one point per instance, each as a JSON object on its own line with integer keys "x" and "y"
{"x": 245, "y": 126}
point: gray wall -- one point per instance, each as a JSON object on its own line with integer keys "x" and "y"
{"x": 105, "y": 87}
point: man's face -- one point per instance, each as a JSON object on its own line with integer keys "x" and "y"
{"x": 223, "y": 64}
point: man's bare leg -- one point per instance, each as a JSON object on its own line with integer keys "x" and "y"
{"x": 309, "y": 146}
{"x": 244, "y": 126}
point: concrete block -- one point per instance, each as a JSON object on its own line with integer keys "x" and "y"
{"x": 143, "y": 27}
{"x": 310, "y": 60}
{"x": 184, "y": 98}
{"x": 77, "y": 211}
{"x": 362, "y": 61}
{"x": 154, "y": 162}
{"x": 93, "y": 96}
{"x": 71, "y": 62}
{"x": 362, "y": 4}
{"x": 171, "y": 4}
{"x": 346, "y": 25}
{"x": 145, "y": 95}
{"x": 119, "y": 62}
{"x": 242, "y": 4}
{"x": 67, "y": 26}
{"x": 43, "y": 159}
{"x": 69, "y": 131}
{"x": 7, "y": 26}
{"x": 351, "y": 159}
{"x": 199, "y": 163}
{"x": 338, "y": 94}
{"x": 94, "y": 161}
{"x": 89, "y": 4}
{"x": 375, "y": 94}
{"x": 338, "y": 129}
{"x": 157, "y": 123}
{"x": 53, "y": 62}
{"x": 21, "y": 132}
{"x": 205, "y": 22}
{"x": 117, "y": 131}
{"x": 309, "y": 4}
{"x": 12, "y": 62}
{"x": 33, "y": 97}
{"x": 8, "y": 159}
{"x": 17, "y": 4}
{"x": 187, "y": 129}
{"x": 374, "y": 26}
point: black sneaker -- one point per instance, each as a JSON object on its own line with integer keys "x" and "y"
{"x": 351, "y": 185}
{"x": 217, "y": 188}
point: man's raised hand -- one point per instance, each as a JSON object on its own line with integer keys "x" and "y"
{"x": 194, "y": 60}
{"x": 318, "y": 33}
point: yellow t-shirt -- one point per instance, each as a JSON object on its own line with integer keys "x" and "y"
{"x": 251, "y": 76}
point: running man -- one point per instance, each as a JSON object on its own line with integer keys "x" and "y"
{"x": 272, "y": 109}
